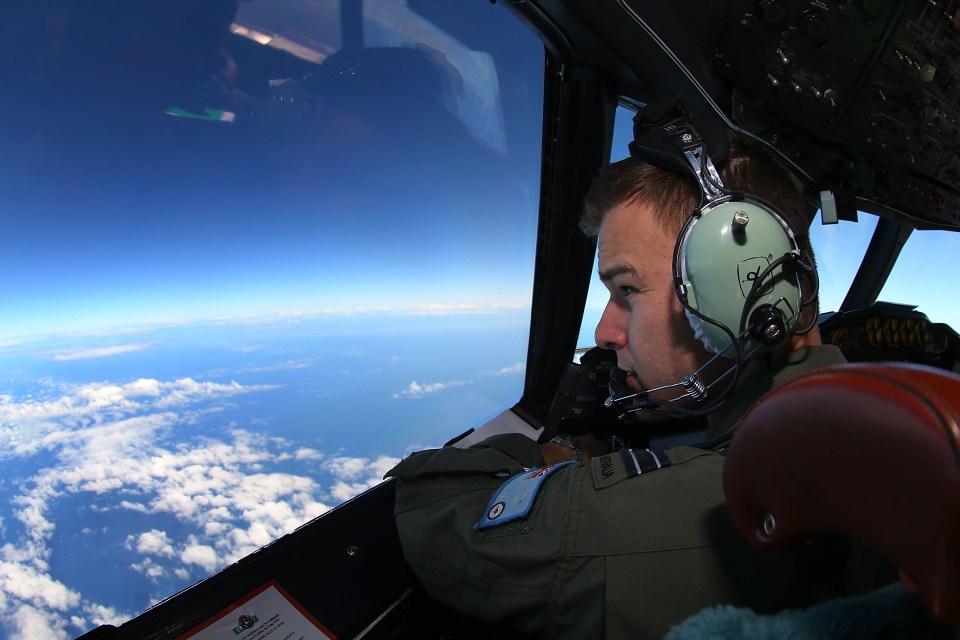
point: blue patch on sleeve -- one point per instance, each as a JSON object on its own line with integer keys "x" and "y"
{"x": 515, "y": 497}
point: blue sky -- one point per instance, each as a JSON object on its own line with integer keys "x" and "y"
{"x": 409, "y": 183}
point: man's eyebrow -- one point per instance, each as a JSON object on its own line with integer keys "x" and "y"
{"x": 610, "y": 274}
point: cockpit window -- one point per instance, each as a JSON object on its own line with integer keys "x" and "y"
{"x": 597, "y": 293}
{"x": 839, "y": 249}
{"x": 252, "y": 254}
{"x": 917, "y": 276}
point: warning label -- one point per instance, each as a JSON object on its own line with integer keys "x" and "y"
{"x": 267, "y": 614}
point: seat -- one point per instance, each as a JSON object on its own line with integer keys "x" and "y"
{"x": 871, "y": 450}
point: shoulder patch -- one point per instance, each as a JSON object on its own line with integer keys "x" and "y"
{"x": 626, "y": 463}
{"x": 515, "y": 497}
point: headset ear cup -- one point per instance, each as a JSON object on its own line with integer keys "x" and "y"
{"x": 732, "y": 258}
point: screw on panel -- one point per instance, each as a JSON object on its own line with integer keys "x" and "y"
{"x": 769, "y": 525}
{"x": 353, "y": 551}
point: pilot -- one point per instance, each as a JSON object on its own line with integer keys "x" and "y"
{"x": 712, "y": 302}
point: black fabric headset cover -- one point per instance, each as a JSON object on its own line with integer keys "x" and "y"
{"x": 653, "y": 144}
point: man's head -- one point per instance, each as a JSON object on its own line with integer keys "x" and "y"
{"x": 637, "y": 211}
{"x": 674, "y": 197}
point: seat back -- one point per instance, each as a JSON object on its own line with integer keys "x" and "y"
{"x": 870, "y": 450}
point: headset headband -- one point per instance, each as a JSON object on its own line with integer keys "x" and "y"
{"x": 658, "y": 130}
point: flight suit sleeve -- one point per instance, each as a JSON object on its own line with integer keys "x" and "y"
{"x": 500, "y": 574}
{"x": 564, "y": 550}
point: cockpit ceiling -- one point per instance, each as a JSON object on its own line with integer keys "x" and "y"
{"x": 862, "y": 95}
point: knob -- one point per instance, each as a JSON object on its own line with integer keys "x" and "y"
{"x": 813, "y": 26}
{"x": 772, "y": 12}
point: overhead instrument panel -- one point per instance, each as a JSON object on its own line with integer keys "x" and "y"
{"x": 878, "y": 81}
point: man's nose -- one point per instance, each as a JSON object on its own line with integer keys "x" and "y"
{"x": 611, "y": 331}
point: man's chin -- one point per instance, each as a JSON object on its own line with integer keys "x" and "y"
{"x": 658, "y": 427}
{"x": 652, "y": 417}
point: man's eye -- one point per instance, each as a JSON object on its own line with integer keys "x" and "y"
{"x": 627, "y": 290}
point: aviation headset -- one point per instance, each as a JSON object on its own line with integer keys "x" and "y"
{"x": 737, "y": 263}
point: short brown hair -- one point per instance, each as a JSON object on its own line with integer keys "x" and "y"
{"x": 747, "y": 168}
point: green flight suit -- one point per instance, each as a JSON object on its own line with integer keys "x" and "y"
{"x": 624, "y": 546}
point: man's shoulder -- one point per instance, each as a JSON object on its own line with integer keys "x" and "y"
{"x": 806, "y": 360}
{"x": 643, "y": 501}
{"x": 788, "y": 366}
{"x": 625, "y": 464}
{"x": 498, "y": 455}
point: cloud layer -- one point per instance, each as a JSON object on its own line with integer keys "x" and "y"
{"x": 98, "y": 352}
{"x": 136, "y": 447}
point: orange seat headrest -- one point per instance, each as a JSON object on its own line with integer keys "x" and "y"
{"x": 870, "y": 450}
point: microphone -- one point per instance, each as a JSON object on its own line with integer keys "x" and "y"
{"x": 621, "y": 395}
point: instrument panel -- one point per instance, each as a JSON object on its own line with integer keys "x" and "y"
{"x": 877, "y": 82}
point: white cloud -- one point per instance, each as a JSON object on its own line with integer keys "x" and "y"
{"x": 155, "y": 542}
{"x": 202, "y": 555}
{"x": 520, "y": 367}
{"x": 127, "y": 443}
{"x": 356, "y": 475}
{"x": 281, "y": 366}
{"x": 99, "y": 614}
{"x": 416, "y": 390}
{"x": 349, "y": 468}
{"x": 98, "y": 352}
{"x": 445, "y": 310}
{"x": 36, "y": 424}
{"x": 35, "y": 588}
{"x": 150, "y": 569}
{"x": 304, "y": 453}
{"x": 32, "y": 622}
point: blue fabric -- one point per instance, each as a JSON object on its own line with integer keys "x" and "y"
{"x": 516, "y": 497}
{"x": 891, "y": 613}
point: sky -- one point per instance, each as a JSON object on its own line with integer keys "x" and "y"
{"x": 375, "y": 180}
{"x": 195, "y": 308}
